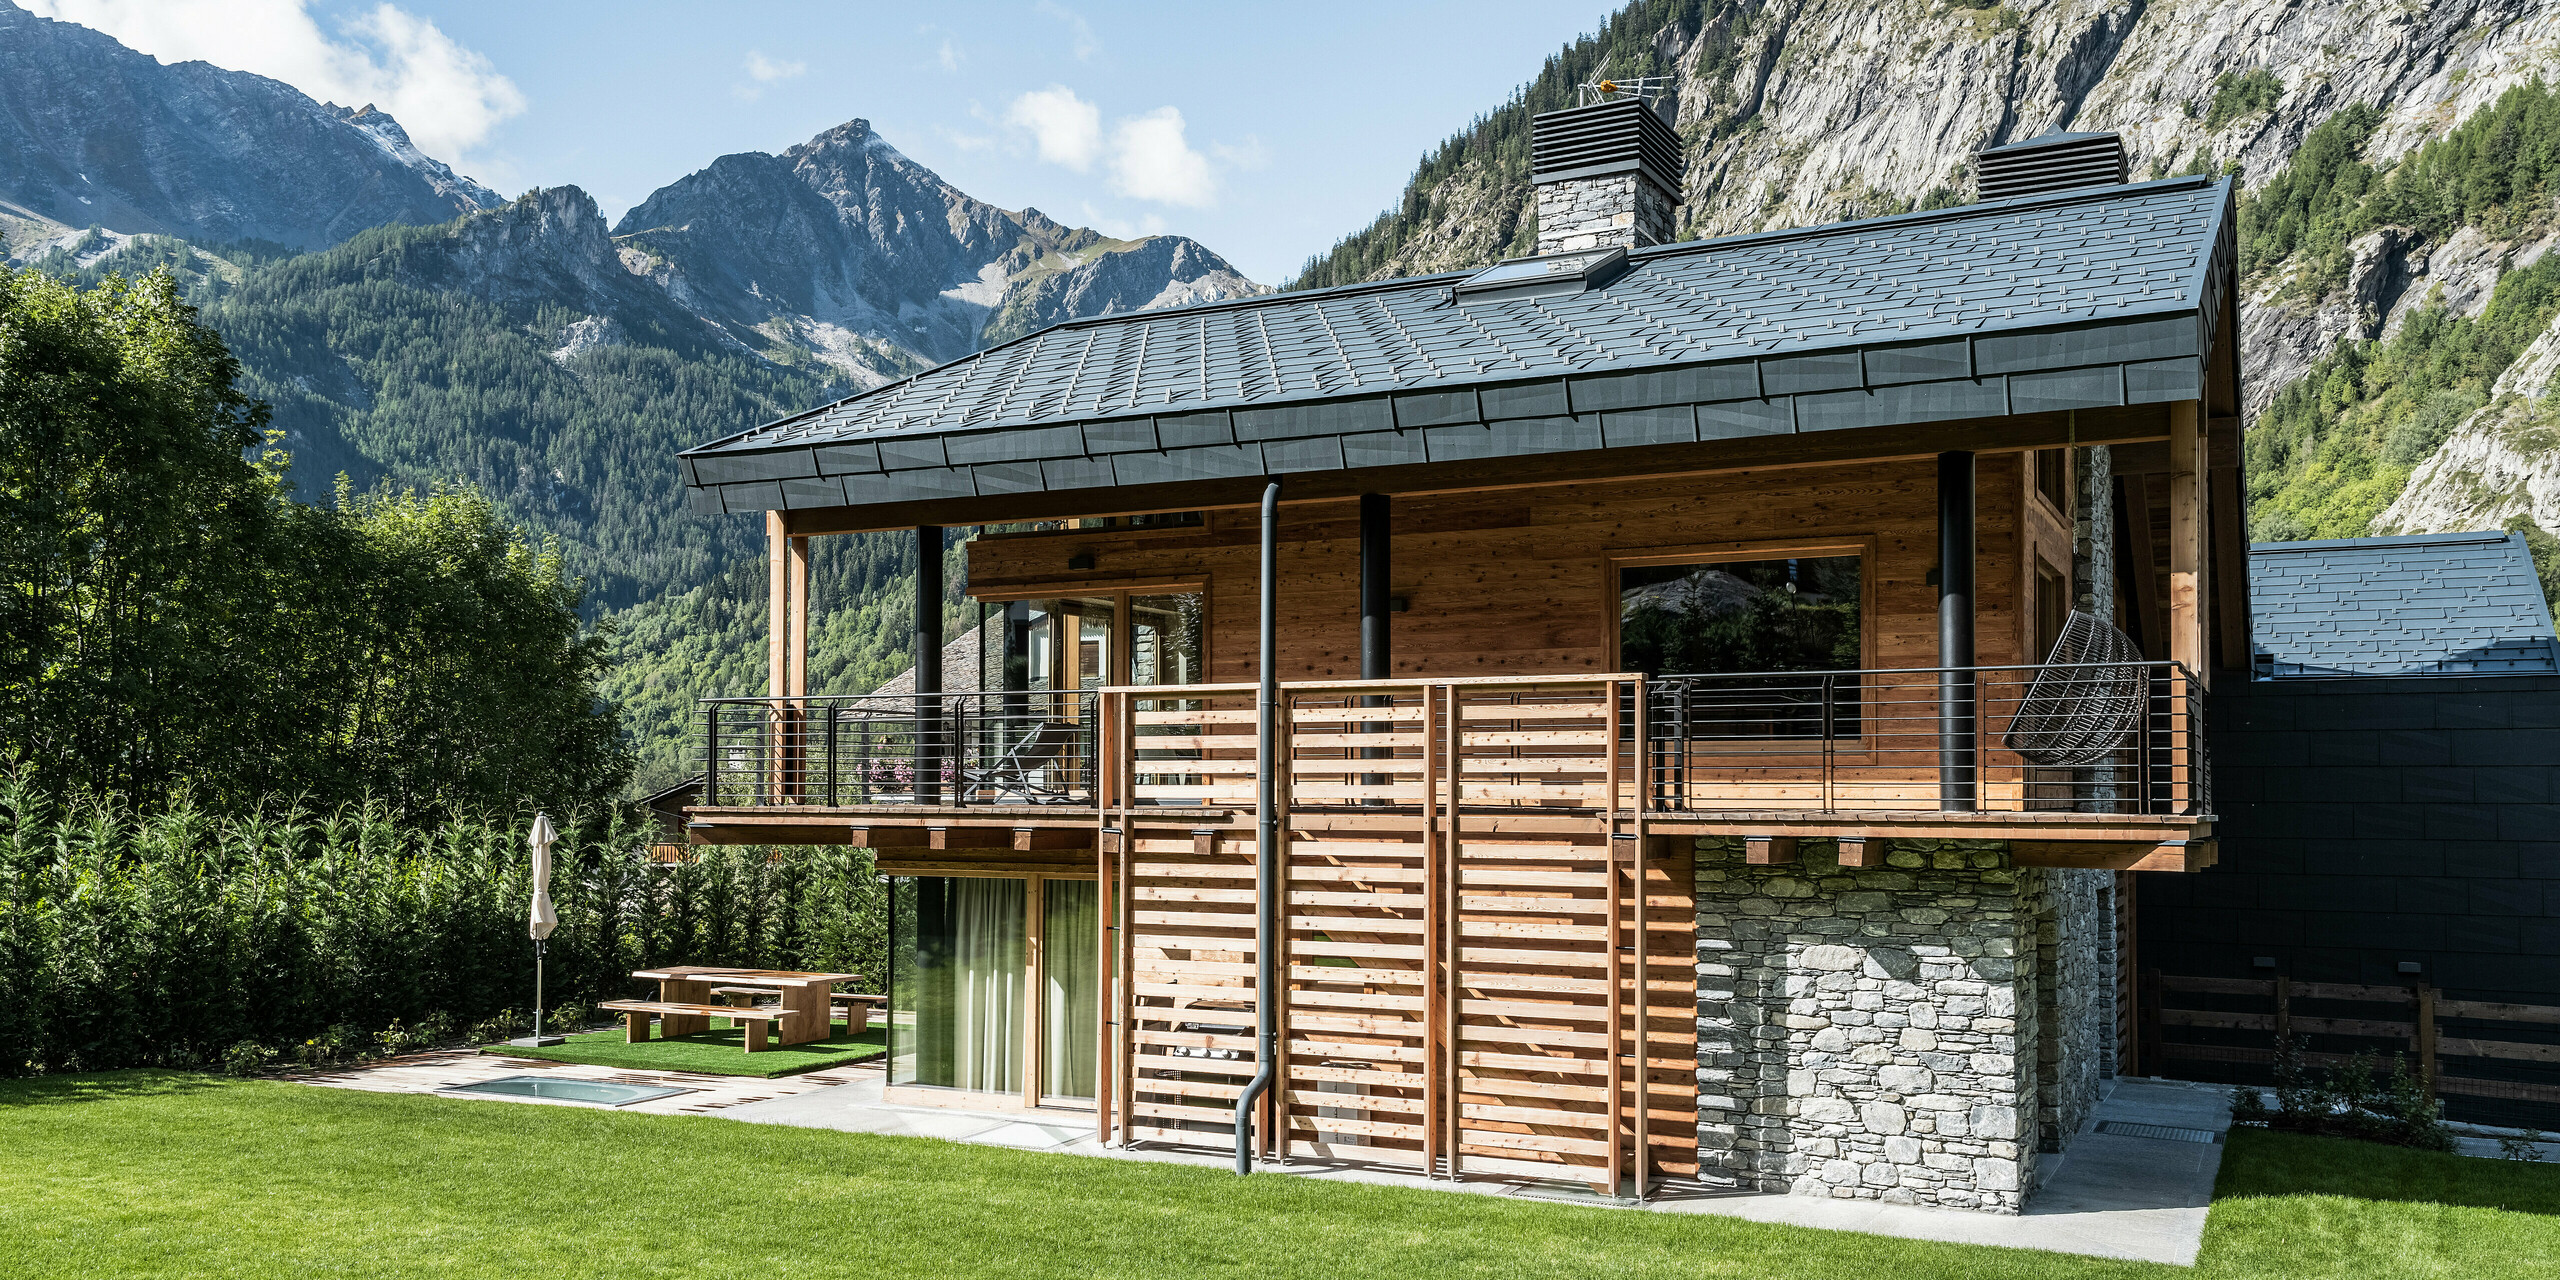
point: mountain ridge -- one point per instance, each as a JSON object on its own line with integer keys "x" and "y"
{"x": 98, "y": 134}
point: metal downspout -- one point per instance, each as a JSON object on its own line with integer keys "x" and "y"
{"x": 1266, "y": 839}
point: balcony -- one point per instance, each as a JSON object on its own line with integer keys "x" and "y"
{"x": 2045, "y": 754}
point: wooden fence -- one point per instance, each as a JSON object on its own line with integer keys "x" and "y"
{"x": 2240, "y": 1020}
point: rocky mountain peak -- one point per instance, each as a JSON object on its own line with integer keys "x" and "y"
{"x": 95, "y": 134}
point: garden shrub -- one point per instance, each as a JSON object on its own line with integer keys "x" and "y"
{"x": 180, "y": 936}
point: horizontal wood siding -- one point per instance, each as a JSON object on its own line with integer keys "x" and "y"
{"x": 1521, "y": 582}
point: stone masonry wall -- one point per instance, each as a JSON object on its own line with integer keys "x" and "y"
{"x": 1871, "y": 1033}
{"x": 2075, "y": 984}
{"x": 1595, "y": 213}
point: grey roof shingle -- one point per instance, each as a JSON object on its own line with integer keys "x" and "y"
{"x": 1951, "y": 313}
{"x": 2437, "y": 604}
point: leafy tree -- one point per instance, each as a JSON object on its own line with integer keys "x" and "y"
{"x": 169, "y": 618}
{"x": 133, "y": 534}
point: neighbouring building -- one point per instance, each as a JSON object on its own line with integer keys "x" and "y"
{"x": 1585, "y": 719}
{"x": 2389, "y": 791}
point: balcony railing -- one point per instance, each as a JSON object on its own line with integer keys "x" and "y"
{"x": 2100, "y": 739}
{"x": 948, "y": 749}
{"x": 2103, "y": 738}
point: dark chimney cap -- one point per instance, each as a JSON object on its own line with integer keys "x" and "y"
{"x": 2054, "y": 162}
{"x": 1620, "y": 136}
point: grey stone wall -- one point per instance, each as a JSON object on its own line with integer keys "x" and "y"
{"x": 2093, "y": 533}
{"x": 1872, "y": 1033}
{"x": 2074, "y": 915}
{"x": 1595, "y": 213}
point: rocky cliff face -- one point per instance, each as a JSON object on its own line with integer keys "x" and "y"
{"x": 846, "y": 250}
{"x": 1796, "y": 112}
{"x": 95, "y": 134}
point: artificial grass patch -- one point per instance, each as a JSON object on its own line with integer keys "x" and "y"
{"x": 720, "y": 1051}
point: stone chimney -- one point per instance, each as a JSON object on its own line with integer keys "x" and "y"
{"x": 1608, "y": 176}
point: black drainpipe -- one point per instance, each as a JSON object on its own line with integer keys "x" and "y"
{"x": 1266, "y": 839}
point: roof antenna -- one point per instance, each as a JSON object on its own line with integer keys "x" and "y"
{"x": 1642, "y": 88}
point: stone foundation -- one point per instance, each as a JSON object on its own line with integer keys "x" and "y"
{"x": 1908, "y": 1033}
{"x": 1595, "y": 213}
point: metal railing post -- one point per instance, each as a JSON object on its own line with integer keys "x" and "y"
{"x": 711, "y": 753}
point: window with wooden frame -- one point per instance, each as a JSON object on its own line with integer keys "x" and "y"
{"x": 2053, "y": 479}
{"x": 994, "y": 986}
{"x": 1750, "y": 641}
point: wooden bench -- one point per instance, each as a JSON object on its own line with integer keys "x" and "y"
{"x": 636, "y": 1015}
{"x": 856, "y": 1010}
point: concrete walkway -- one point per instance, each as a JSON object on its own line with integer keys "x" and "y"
{"x": 2135, "y": 1185}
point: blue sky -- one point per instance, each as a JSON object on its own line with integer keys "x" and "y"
{"x": 1266, "y": 132}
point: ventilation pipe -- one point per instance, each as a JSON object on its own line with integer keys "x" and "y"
{"x": 1266, "y": 839}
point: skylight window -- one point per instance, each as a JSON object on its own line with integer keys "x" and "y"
{"x": 1556, "y": 273}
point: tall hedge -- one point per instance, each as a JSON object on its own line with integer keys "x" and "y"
{"x": 131, "y": 939}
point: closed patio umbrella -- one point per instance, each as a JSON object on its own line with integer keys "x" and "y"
{"x": 544, "y": 921}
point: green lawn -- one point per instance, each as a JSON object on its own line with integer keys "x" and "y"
{"x": 720, "y": 1051}
{"x": 160, "y": 1174}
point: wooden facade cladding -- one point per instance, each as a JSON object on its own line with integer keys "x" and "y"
{"x": 1522, "y": 581}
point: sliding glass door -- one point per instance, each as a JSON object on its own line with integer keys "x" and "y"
{"x": 994, "y": 985}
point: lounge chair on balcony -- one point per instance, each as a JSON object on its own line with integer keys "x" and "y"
{"x": 1027, "y": 773}
{"x": 2086, "y": 701}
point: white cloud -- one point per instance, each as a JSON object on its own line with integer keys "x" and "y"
{"x": 447, "y": 97}
{"x": 1067, "y": 129}
{"x": 1080, "y": 38}
{"x": 1119, "y": 228}
{"x": 1247, "y": 155}
{"x": 1150, "y": 160}
{"x": 765, "y": 70}
{"x": 949, "y": 55}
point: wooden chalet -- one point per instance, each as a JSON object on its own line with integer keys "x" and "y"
{"x": 1389, "y": 701}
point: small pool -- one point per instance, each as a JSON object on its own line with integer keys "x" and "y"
{"x": 599, "y": 1092}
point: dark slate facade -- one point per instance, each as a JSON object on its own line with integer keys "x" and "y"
{"x": 2368, "y": 822}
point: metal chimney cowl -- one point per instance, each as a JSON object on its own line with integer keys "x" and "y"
{"x": 2053, "y": 162}
{"x": 1607, "y": 175}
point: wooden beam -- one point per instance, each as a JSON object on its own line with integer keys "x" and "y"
{"x": 1026, "y": 839}
{"x": 1768, "y": 851}
{"x": 886, "y": 837}
{"x": 1204, "y": 842}
{"x": 2145, "y": 566}
{"x": 2125, "y": 425}
{"x": 2188, "y": 571}
{"x": 2167, "y": 855}
{"x": 970, "y": 838}
{"x": 1858, "y": 851}
{"x": 2230, "y": 567}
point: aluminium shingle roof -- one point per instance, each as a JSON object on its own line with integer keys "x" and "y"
{"x": 1928, "y": 296}
{"x": 2436, "y": 604}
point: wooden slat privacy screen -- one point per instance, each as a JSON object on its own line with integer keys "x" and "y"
{"x": 1472, "y": 935}
{"x": 2408, "y": 1020}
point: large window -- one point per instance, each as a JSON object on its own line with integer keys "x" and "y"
{"x": 1798, "y": 614}
{"x": 995, "y": 985}
{"x": 1759, "y": 639}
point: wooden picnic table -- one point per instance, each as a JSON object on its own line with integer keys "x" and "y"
{"x": 806, "y": 1010}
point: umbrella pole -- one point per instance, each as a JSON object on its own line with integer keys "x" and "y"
{"x": 537, "y": 990}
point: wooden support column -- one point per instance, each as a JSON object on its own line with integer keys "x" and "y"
{"x": 786, "y": 657}
{"x": 2230, "y": 563}
{"x": 930, "y": 720}
{"x": 2141, "y": 567}
{"x": 2189, "y": 572}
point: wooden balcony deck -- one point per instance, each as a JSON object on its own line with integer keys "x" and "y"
{"x": 1491, "y": 757}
